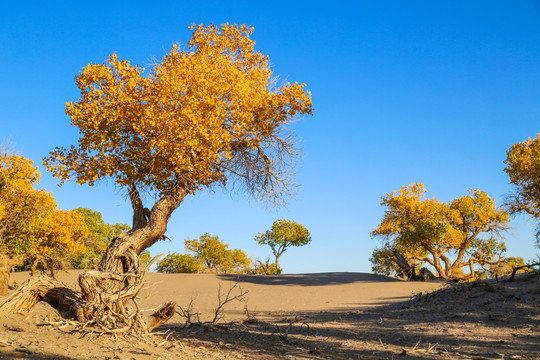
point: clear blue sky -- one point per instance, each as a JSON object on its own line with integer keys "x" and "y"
{"x": 426, "y": 91}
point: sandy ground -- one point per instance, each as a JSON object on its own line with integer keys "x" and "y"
{"x": 309, "y": 316}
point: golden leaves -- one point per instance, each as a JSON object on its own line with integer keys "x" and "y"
{"x": 523, "y": 168}
{"x": 180, "y": 119}
{"x": 419, "y": 223}
{"x": 29, "y": 220}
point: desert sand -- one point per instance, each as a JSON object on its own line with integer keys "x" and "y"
{"x": 305, "y": 316}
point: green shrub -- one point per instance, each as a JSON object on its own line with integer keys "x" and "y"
{"x": 178, "y": 263}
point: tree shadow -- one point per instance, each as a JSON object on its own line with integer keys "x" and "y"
{"x": 313, "y": 279}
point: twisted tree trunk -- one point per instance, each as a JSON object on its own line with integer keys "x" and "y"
{"x": 6, "y": 264}
{"x": 118, "y": 278}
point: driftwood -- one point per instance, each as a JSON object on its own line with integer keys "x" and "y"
{"x": 40, "y": 288}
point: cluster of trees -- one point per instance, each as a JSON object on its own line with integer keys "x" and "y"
{"x": 462, "y": 233}
{"x": 209, "y": 254}
{"x": 427, "y": 231}
{"x": 34, "y": 234}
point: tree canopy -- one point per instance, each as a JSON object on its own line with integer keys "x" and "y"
{"x": 284, "y": 234}
{"x": 523, "y": 168}
{"x": 31, "y": 226}
{"x": 200, "y": 116}
{"x": 214, "y": 255}
{"x": 430, "y": 231}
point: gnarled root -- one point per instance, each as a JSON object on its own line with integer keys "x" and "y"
{"x": 41, "y": 288}
{"x": 98, "y": 303}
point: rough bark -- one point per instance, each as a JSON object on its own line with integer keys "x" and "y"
{"x": 122, "y": 255}
{"x": 6, "y": 264}
{"x": 406, "y": 269}
{"x": 40, "y": 288}
{"x": 4, "y": 281}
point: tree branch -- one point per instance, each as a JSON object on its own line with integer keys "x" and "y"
{"x": 139, "y": 218}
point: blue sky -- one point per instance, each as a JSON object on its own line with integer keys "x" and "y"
{"x": 425, "y": 91}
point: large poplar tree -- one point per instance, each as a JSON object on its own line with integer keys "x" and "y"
{"x": 207, "y": 115}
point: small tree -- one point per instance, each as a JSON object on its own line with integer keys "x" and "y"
{"x": 215, "y": 255}
{"x": 284, "y": 234}
{"x": 427, "y": 230}
{"x": 178, "y": 263}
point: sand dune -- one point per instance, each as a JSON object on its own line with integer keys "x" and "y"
{"x": 337, "y": 291}
{"x": 304, "y": 316}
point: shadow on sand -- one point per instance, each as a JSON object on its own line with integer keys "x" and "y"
{"x": 314, "y": 279}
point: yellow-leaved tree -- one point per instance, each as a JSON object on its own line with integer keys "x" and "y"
{"x": 448, "y": 236}
{"x": 523, "y": 168}
{"x": 32, "y": 229}
{"x": 210, "y": 114}
{"x": 215, "y": 256}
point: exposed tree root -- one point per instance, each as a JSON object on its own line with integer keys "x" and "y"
{"x": 96, "y": 304}
{"x": 36, "y": 289}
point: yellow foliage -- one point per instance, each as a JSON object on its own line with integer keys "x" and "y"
{"x": 183, "y": 120}
{"x": 523, "y": 168}
{"x": 30, "y": 224}
{"x": 416, "y": 226}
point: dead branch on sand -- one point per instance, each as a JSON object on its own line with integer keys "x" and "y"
{"x": 193, "y": 318}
